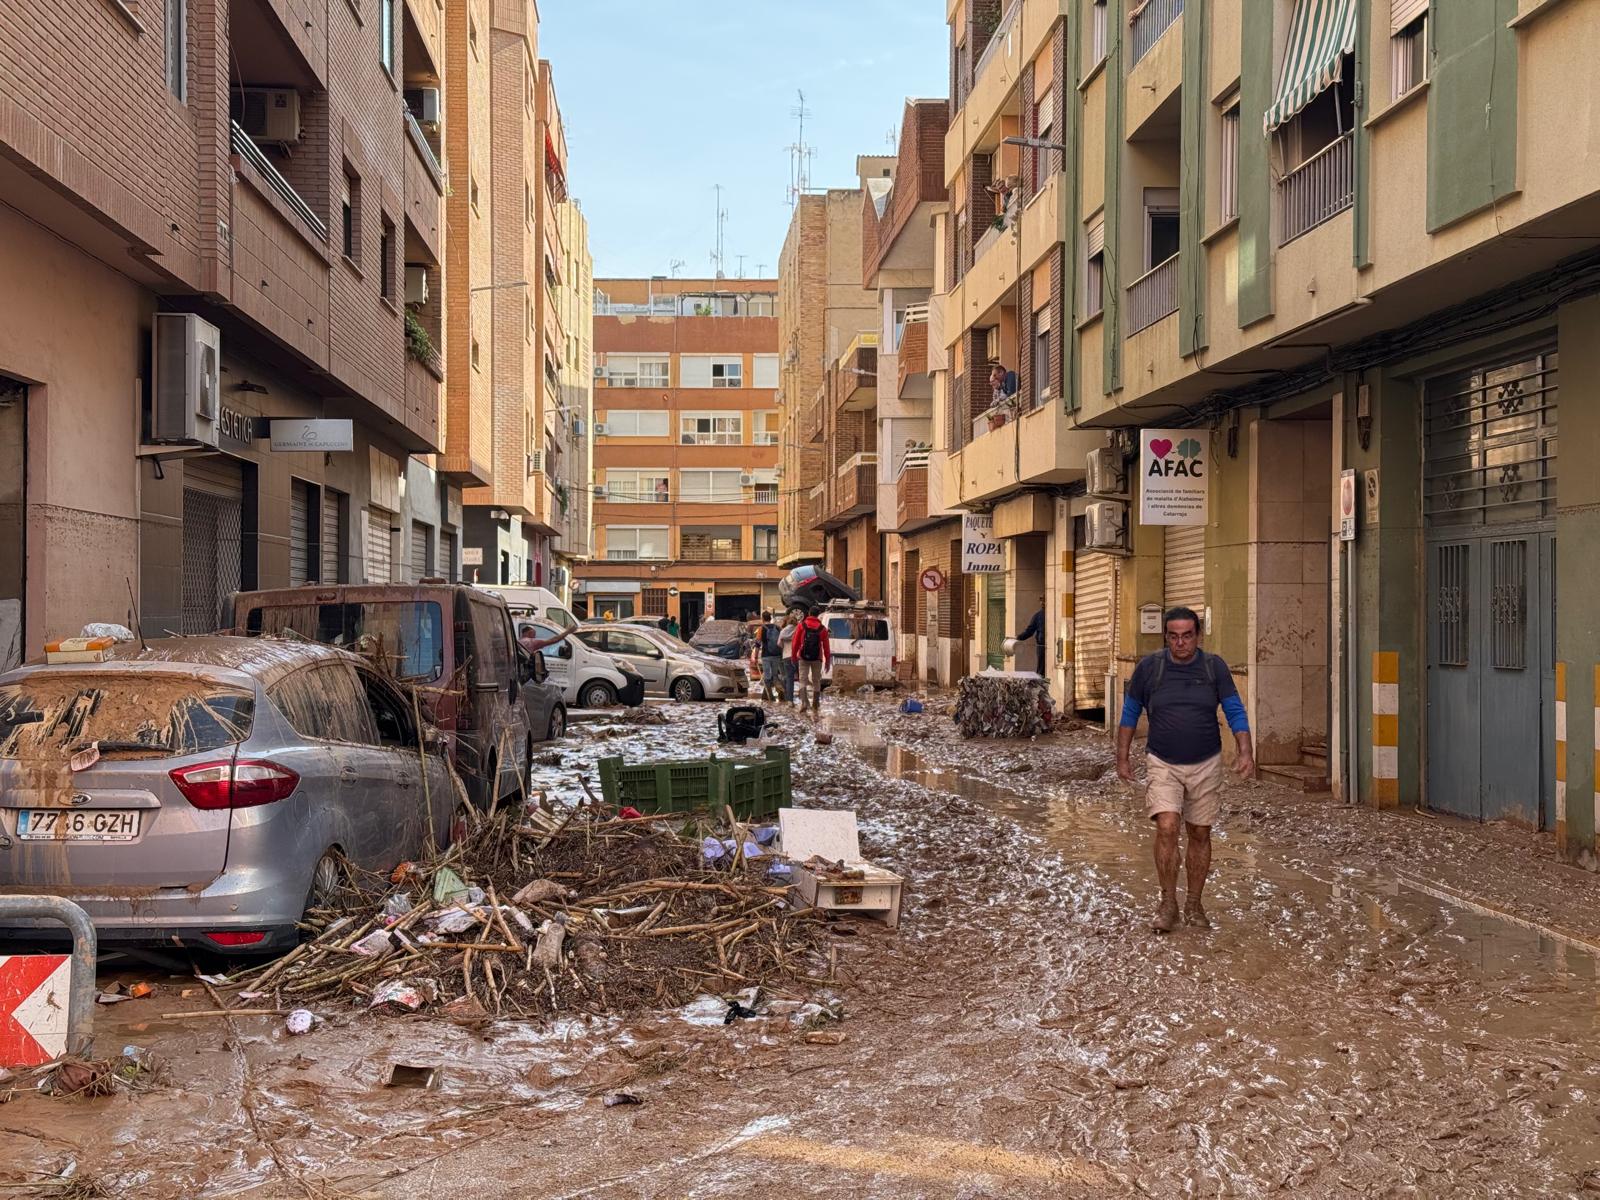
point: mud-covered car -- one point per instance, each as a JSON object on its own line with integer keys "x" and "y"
{"x": 205, "y": 791}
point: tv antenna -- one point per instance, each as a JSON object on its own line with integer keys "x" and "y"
{"x": 892, "y": 139}
{"x": 675, "y": 267}
{"x": 718, "y": 259}
{"x": 800, "y": 154}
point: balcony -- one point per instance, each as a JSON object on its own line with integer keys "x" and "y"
{"x": 706, "y": 544}
{"x": 425, "y": 149}
{"x": 1149, "y": 22}
{"x": 997, "y": 41}
{"x": 858, "y": 374}
{"x": 911, "y": 491}
{"x": 1318, "y": 189}
{"x": 1153, "y": 295}
{"x": 812, "y": 509}
{"x": 814, "y": 417}
{"x": 913, "y": 356}
{"x": 261, "y": 166}
{"x": 854, "y": 491}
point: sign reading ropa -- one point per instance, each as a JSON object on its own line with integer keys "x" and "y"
{"x": 981, "y": 552}
{"x": 33, "y": 1008}
{"x": 1174, "y": 470}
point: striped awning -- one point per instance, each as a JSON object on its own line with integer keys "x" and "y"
{"x": 1321, "y": 33}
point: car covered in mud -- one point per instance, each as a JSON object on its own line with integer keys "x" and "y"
{"x": 207, "y": 791}
{"x": 668, "y": 666}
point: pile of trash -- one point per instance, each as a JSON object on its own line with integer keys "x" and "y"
{"x": 1004, "y": 704}
{"x": 538, "y": 913}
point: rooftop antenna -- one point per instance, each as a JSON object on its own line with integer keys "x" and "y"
{"x": 717, "y": 257}
{"x": 761, "y": 270}
{"x": 892, "y": 138}
{"x": 800, "y": 154}
{"x": 740, "y": 257}
{"x": 676, "y": 267}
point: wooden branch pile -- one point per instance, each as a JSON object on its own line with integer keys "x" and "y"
{"x": 568, "y": 913}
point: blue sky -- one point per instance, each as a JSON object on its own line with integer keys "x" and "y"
{"x": 663, "y": 100}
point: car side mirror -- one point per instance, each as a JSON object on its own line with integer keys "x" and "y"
{"x": 565, "y": 650}
{"x": 434, "y": 741}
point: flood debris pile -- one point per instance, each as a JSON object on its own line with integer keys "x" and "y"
{"x": 539, "y": 913}
{"x": 1004, "y": 704}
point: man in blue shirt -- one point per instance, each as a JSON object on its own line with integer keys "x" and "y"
{"x": 1182, "y": 686}
{"x": 1035, "y": 630}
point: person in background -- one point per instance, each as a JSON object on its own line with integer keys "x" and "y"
{"x": 672, "y": 626}
{"x": 814, "y": 654}
{"x": 786, "y": 637}
{"x": 1002, "y": 383}
{"x": 769, "y": 645}
{"x": 1035, "y": 630}
{"x": 533, "y": 643}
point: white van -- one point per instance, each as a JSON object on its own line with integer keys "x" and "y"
{"x": 528, "y": 601}
{"x": 860, "y": 634}
{"x": 587, "y": 678}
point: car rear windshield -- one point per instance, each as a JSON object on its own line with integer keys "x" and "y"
{"x": 408, "y": 634}
{"x": 860, "y": 629}
{"x": 51, "y": 716}
{"x": 717, "y": 633}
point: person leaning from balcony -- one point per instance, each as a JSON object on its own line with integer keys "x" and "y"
{"x": 812, "y": 650}
{"x": 1002, "y": 383}
{"x": 1003, "y": 189}
{"x": 769, "y": 640}
{"x": 1182, "y": 686}
{"x": 786, "y": 638}
{"x": 661, "y": 491}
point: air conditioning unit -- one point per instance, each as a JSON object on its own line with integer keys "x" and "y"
{"x": 600, "y": 429}
{"x": 187, "y": 379}
{"x": 424, "y": 105}
{"x": 416, "y": 284}
{"x": 558, "y": 576}
{"x": 599, "y": 491}
{"x": 1105, "y": 474}
{"x": 269, "y": 114}
{"x": 535, "y": 462}
{"x": 599, "y": 370}
{"x": 1106, "y": 526}
{"x": 747, "y": 481}
{"x": 578, "y": 427}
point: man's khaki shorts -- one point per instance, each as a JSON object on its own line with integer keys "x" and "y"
{"x": 1195, "y": 790}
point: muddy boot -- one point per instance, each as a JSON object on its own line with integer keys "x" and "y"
{"x": 1194, "y": 915}
{"x": 1166, "y": 918}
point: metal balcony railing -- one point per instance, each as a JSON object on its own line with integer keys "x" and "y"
{"x": 1149, "y": 22}
{"x": 1319, "y": 188}
{"x": 262, "y": 165}
{"x": 1153, "y": 295}
{"x": 419, "y": 139}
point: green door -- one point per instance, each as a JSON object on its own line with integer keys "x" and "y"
{"x": 994, "y": 620}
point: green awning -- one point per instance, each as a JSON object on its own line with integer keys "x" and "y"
{"x": 1321, "y": 33}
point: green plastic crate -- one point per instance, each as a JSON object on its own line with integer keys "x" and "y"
{"x": 755, "y": 787}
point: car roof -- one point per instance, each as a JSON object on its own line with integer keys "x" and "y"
{"x": 266, "y": 659}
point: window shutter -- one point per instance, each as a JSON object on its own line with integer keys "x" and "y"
{"x": 1096, "y": 236}
{"x": 1403, "y": 12}
{"x": 694, "y": 371}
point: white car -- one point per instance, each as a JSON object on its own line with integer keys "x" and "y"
{"x": 587, "y": 677}
{"x": 670, "y": 667}
{"x": 861, "y": 635}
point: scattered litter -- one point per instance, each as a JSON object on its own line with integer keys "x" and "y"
{"x": 138, "y": 991}
{"x": 408, "y": 1075}
{"x": 107, "y": 629}
{"x": 741, "y": 722}
{"x": 824, "y": 849}
{"x": 456, "y": 920}
{"x": 630, "y": 813}
{"x": 447, "y": 886}
{"x": 1004, "y": 704}
{"x": 824, "y": 738}
{"x": 645, "y": 714}
{"x": 399, "y": 874}
{"x": 540, "y": 891}
{"x": 866, "y": 689}
{"x": 738, "y": 1012}
{"x": 378, "y": 941}
{"x": 397, "y": 905}
{"x": 824, "y": 1037}
{"x": 616, "y": 1099}
{"x": 404, "y": 993}
{"x": 910, "y": 705}
{"x": 110, "y": 998}
{"x": 300, "y": 1021}
{"x": 705, "y": 1010}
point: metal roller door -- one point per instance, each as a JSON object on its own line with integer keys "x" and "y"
{"x": 421, "y": 551}
{"x": 380, "y": 546}
{"x": 447, "y": 554}
{"x": 213, "y": 528}
{"x": 299, "y": 532}
{"x": 1093, "y": 592}
{"x": 332, "y": 534}
{"x": 1185, "y": 572}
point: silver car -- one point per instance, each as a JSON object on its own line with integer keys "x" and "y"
{"x": 206, "y": 791}
{"x": 669, "y": 667}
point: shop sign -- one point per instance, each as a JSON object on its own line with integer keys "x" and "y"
{"x": 981, "y": 552}
{"x": 472, "y": 556}
{"x": 1174, "y": 473}
{"x": 236, "y": 429}
{"x": 302, "y": 436}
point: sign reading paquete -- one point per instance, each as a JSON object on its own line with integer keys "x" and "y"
{"x": 1174, "y": 472}
{"x": 981, "y": 552}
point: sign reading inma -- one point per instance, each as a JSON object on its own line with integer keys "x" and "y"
{"x": 981, "y": 552}
{"x": 1174, "y": 467}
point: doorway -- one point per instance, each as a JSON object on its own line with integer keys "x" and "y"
{"x": 737, "y": 606}
{"x": 691, "y": 611}
{"x": 13, "y": 518}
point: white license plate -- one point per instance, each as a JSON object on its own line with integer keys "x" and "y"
{"x": 78, "y": 825}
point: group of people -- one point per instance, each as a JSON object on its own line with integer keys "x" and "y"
{"x": 791, "y": 653}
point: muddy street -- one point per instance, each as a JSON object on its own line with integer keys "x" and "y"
{"x": 1371, "y": 1016}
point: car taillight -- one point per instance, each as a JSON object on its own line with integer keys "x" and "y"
{"x": 237, "y": 938}
{"x": 246, "y": 784}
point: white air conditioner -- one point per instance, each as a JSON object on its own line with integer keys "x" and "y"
{"x": 558, "y": 576}
{"x": 424, "y": 105}
{"x": 600, "y": 429}
{"x": 599, "y": 491}
{"x": 599, "y": 370}
{"x": 1104, "y": 473}
{"x": 747, "y": 481}
{"x": 186, "y": 379}
{"x": 578, "y": 427}
{"x": 535, "y": 462}
{"x": 270, "y": 114}
{"x": 416, "y": 284}
{"x": 1106, "y": 526}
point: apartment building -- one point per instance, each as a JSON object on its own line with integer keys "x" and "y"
{"x": 822, "y": 307}
{"x": 902, "y": 261}
{"x": 1348, "y": 245}
{"x": 217, "y": 218}
{"x": 574, "y": 495}
{"x": 685, "y": 450}
{"x": 515, "y": 183}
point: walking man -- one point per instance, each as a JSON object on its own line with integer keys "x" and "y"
{"x": 1035, "y": 630}
{"x": 1181, "y": 686}
{"x": 770, "y": 639}
{"x": 786, "y": 637}
{"x": 814, "y": 654}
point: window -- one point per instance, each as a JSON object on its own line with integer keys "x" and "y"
{"x": 766, "y": 547}
{"x": 636, "y": 541}
{"x": 1097, "y": 33}
{"x": 710, "y": 486}
{"x": 472, "y": 41}
{"x": 386, "y": 34}
{"x": 766, "y": 370}
{"x": 350, "y": 216}
{"x": 709, "y": 543}
{"x": 474, "y": 193}
{"x": 766, "y": 432}
{"x": 727, "y": 373}
{"x": 1228, "y": 183}
{"x": 1041, "y": 357}
{"x": 386, "y": 260}
{"x": 1094, "y": 258}
{"x": 177, "y": 39}
{"x": 1043, "y": 123}
{"x": 476, "y": 361}
{"x": 1409, "y": 50}
{"x": 630, "y": 370}
{"x": 653, "y": 602}
{"x": 411, "y": 632}
{"x": 761, "y": 306}
{"x": 633, "y": 422}
{"x": 1160, "y": 226}
{"x": 492, "y": 659}
{"x": 643, "y": 486}
{"x": 711, "y": 429}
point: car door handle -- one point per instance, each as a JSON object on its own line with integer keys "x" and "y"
{"x": 348, "y": 776}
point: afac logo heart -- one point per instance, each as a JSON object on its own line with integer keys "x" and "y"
{"x": 1160, "y": 447}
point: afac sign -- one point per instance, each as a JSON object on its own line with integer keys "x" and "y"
{"x": 1174, "y": 465}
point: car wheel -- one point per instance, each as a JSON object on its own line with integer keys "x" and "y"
{"x": 685, "y": 687}
{"x": 598, "y": 694}
{"x": 329, "y": 881}
{"x": 558, "y": 724}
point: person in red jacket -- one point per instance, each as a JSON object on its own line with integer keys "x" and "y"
{"x": 812, "y": 654}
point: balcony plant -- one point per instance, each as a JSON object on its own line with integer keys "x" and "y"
{"x": 418, "y": 344}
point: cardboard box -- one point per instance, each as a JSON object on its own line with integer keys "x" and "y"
{"x": 806, "y": 833}
{"x": 79, "y": 650}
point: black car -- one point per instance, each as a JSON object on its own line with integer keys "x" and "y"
{"x": 805, "y": 586}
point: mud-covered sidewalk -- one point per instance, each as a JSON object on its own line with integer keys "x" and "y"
{"x": 1361, "y": 1022}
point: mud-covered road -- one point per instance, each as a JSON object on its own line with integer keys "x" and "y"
{"x": 1388, "y": 1006}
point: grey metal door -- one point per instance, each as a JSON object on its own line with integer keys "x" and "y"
{"x": 1489, "y": 513}
{"x": 212, "y": 526}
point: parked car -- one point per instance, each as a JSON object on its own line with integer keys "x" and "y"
{"x": 668, "y": 666}
{"x": 861, "y": 635}
{"x": 587, "y": 677}
{"x": 722, "y": 638}
{"x": 228, "y": 780}
{"x": 805, "y": 586}
{"x": 530, "y": 601}
{"x": 454, "y": 641}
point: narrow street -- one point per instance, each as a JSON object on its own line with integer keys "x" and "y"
{"x": 1359, "y": 1023}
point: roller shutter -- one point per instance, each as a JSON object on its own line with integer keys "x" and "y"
{"x": 299, "y": 532}
{"x": 1093, "y": 592}
{"x": 380, "y": 546}
{"x": 1185, "y": 572}
{"x": 332, "y": 534}
{"x": 421, "y": 551}
{"x": 447, "y": 554}
{"x": 213, "y": 532}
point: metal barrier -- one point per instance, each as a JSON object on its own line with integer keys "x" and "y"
{"x": 1153, "y": 295}
{"x": 1149, "y": 22}
{"x": 1318, "y": 189}
{"x": 80, "y": 1002}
